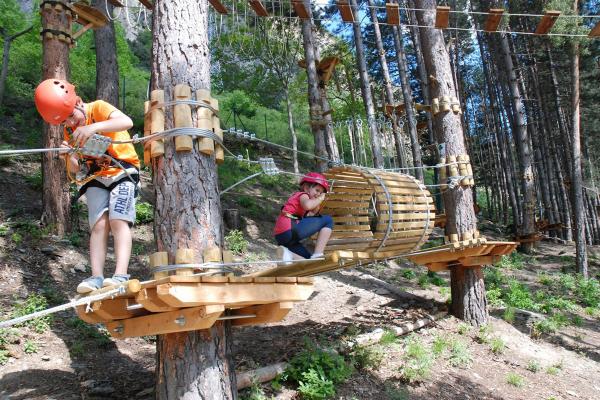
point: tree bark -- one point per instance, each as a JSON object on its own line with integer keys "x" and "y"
{"x": 107, "y": 67}
{"x": 314, "y": 94}
{"x": 288, "y": 104}
{"x": 366, "y": 93}
{"x": 197, "y": 364}
{"x": 56, "y": 205}
{"x": 468, "y": 288}
{"x": 576, "y": 175}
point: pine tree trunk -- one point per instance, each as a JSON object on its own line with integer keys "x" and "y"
{"x": 468, "y": 289}
{"x": 576, "y": 175}
{"x": 288, "y": 104}
{"x": 107, "y": 67}
{"x": 56, "y": 205}
{"x": 314, "y": 95}
{"x": 197, "y": 364}
{"x": 366, "y": 93}
{"x": 355, "y": 134}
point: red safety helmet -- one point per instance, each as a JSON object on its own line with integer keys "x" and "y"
{"x": 55, "y": 100}
{"x": 315, "y": 177}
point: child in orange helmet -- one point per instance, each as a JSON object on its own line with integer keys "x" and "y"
{"x": 300, "y": 218}
{"x": 110, "y": 181}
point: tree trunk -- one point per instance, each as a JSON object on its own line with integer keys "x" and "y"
{"x": 468, "y": 288}
{"x": 314, "y": 95}
{"x": 411, "y": 118}
{"x": 107, "y": 67}
{"x": 355, "y": 134}
{"x": 366, "y": 93}
{"x": 56, "y": 205}
{"x": 288, "y": 104}
{"x": 197, "y": 364}
{"x": 576, "y": 177}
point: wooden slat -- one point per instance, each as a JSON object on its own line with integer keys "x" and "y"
{"x": 547, "y": 22}
{"x": 493, "y": 19}
{"x": 393, "y": 13}
{"x": 147, "y": 3}
{"x": 407, "y": 207}
{"x": 345, "y": 11}
{"x": 337, "y": 235}
{"x": 348, "y": 197}
{"x": 351, "y": 228}
{"x": 595, "y": 31}
{"x": 347, "y": 204}
{"x": 218, "y": 6}
{"x": 442, "y": 17}
{"x": 300, "y": 9}
{"x": 148, "y": 298}
{"x": 350, "y": 219}
{"x": 89, "y": 15}
{"x": 478, "y": 260}
{"x": 258, "y": 8}
{"x": 186, "y": 319}
{"x": 265, "y": 313}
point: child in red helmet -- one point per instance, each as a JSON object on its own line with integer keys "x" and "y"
{"x": 108, "y": 182}
{"x": 300, "y": 218}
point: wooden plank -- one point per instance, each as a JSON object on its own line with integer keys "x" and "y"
{"x": 347, "y": 204}
{"x": 147, "y": 3}
{"x": 89, "y": 317}
{"x": 218, "y": 6}
{"x": 300, "y": 9}
{"x": 215, "y": 279}
{"x": 595, "y": 31}
{"x": 265, "y": 280}
{"x": 240, "y": 279}
{"x": 116, "y": 3}
{"x": 348, "y": 197}
{"x": 351, "y": 228}
{"x": 148, "y": 298}
{"x": 350, "y": 219}
{"x": 305, "y": 281}
{"x": 393, "y": 13}
{"x": 493, "y": 19}
{"x": 402, "y": 225}
{"x": 360, "y": 234}
{"x": 187, "y": 319}
{"x": 442, "y": 17}
{"x": 345, "y": 11}
{"x": 265, "y": 313}
{"x": 547, "y": 22}
{"x": 88, "y": 14}
{"x": 478, "y": 260}
{"x": 437, "y": 267}
{"x": 258, "y": 8}
{"x": 407, "y": 207}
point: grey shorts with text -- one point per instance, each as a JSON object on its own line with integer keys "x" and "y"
{"x": 119, "y": 202}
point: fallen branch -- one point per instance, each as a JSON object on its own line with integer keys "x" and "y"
{"x": 248, "y": 378}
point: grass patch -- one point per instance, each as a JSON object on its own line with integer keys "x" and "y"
{"x": 515, "y": 379}
{"x": 366, "y": 357}
{"x": 408, "y": 274}
{"x": 509, "y": 315}
{"x": 460, "y": 356}
{"x": 30, "y": 347}
{"x": 463, "y": 328}
{"x": 99, "y": 337}
{"x": 33, "y": 303}
{"x": 388, "y": 337}
{"x": 497, "y": 345}
{"x": 533, "y": 366}
{"x": 236, "y": 242}
{"x": 418, "y": 361}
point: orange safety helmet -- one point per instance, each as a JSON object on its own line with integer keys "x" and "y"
{"x": 315, "y": 177}
{"x": 55, "y": 100}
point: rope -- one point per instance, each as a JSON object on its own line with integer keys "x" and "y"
{"x": 72, "y": 304}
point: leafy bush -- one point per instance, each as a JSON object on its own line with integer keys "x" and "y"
{"x": 366, "y": 357}
{"x": 30, "y": 347}
{"x": 418, "y": 361}
{"x": 515, "y": 379}
{"x": 497, "y": 345}
{"x": 144, "y": 213}
{"x": 388, "y": 337}
{"x": 533, "y": 366}
{"x": 514, "y": 260}
{"x": 4, "y": 356}
{"x": 408, "y": 274}
{"x": 460, "y": 356}
{"x": 519, "y": 296}
{"x": 588, "y": 292}
{"x": 235, "y": 242}
{"x": 317, "y": 371}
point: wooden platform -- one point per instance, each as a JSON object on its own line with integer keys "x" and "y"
{"x": 443, "y": 257}
{"x": 184, "y": 303}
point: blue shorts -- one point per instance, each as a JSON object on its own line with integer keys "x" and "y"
{"x": 301, "y": 229}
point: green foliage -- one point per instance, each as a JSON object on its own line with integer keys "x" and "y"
{"x": 236, "y": 242}
{"x": 30, "y": 347}
{"x": 395, "y": 393}
{"x": 33, "y": 303}
{"x": 35, "y": 180}
{"x": 533, "y": 366}
{"x": 460, "y": 356}
{"x": 418, "y": 361}
{"x": 77, "y": 348}
{"x": 549, "y": 325}
{"x": 514, "y": 260}
{"x": 519, "y": 296}
{"x": 509, "y": 315}
{"x": 366, "y": 357}
{"x": 317, "y": 371}
{"x": 554, "y": 369}
{"x": 17, "y": 238}
{"x": 388, "y": 337}
{"x": 440, "y": 344}
{"x": 4, "y": 356}
{"x": 588, "y": 292}
{"x": 255, "y": 392}
{"x": 100, "y": 337}
{"x": 497, "y": 345}
{"x": 144, "y": 213}
{"x": 515, "y": 379}
{"x": 463, "y": 328}
{"x": 408, "y": 274}
{"x": 4, "y": 229}
{"x": 494, "y": 297}
{"x": 75, "y": 239}
{"x": 484, "y": 334}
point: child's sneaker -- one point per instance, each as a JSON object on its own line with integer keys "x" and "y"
{"x": 90, "y": 284}
{"x": 284, "y": 254}
{"x": 116, "y": 279}
{"x": 317, "y": 255}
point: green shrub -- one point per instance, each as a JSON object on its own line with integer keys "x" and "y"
{"x": 366, "y": 357}
{"x": 515, "y": 379}
{"x": 463, "y": 328}
{"x": 4, "y": 229}
{"x": 35, "y": 180}
{"x": 494, "y": 297}
{"x": 494, "y": 277}
{"x": 418, "y": 361}
{"x": 509, "y": 315}
{"x": 588, "y": 292}
{"x": 16, "y": 238}
{"x": 235, "y": 242}
{"x": 388, "y": 337}
{"x": 33, "y": 303}
{"x": 314, "y": 386}
{"x": 100, "y": 337}
{"x": 408, "y": 274}
{"x": 30, "y": 347}
{"x": 514, "y": 260}
{"x": 4, "y": 356}
{"x": 519, "y": 296}
{"x": 440, "y": 344}
{"x": 497, "y": 345}
{"x": 255, "y": 392}
{"x": 144, "y": 213}
{"x": 533, "y": 366}
{"x": 460, "y": 356}
{"x": 423, "y": 281}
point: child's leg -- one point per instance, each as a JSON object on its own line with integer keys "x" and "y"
{"x": 122, "y": 216}
{"x": 311, "y": 225}
{"x": 122, "y": 239}
{"x": 98, "y": 244}
{"x": 285, "y": 239}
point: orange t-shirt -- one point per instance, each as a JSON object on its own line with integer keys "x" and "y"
{"x": 99, "y": 111}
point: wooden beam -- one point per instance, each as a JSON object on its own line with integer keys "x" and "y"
{"x": 218, "y": 6}
{"x": 265, "y": 313}
{"x": 595, "y": 32}
{"x": 116, "y": 3}
{"x": 345, "y": 11}
{"x": 393, "y": 13}
{"x": 148, "y": 298}
{"x": 187, "y": 319}
{"x": 147, "y": 3}
{"x": 300, "y": 9}
{"x": 82, "y": 31}
{"x": 547, "y": 22}
{"x": 259, "y": 8}
{"x": 493, "y": 19}
{"x": 87, "y": 15}
{"x": 442, "y": 17}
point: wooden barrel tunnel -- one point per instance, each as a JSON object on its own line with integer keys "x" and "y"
{"x": 377, "y": 212}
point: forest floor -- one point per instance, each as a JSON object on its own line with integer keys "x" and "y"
{"x": 552, "y": 352}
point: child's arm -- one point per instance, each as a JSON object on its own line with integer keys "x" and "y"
{"x": 311, "y": 205}
{"x": 117, "y": 121}
{"x": 71, "y": 159}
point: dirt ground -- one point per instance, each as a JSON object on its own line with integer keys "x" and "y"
{"x": 68, "y": 361}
